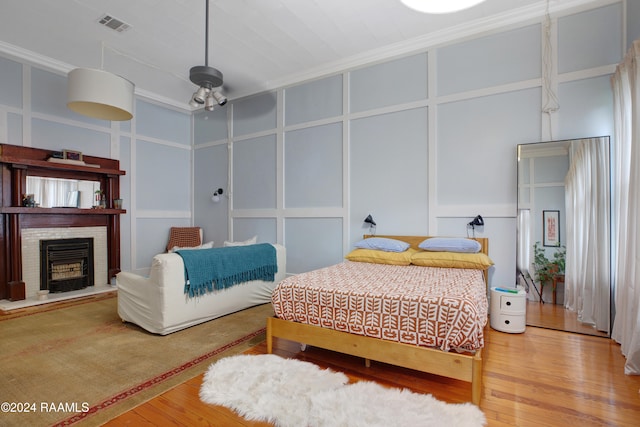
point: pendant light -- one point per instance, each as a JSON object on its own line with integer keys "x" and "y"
{"x": 440, "y": 6}
{"x": 100, "y": 94}
{"x": 208, "y": 78}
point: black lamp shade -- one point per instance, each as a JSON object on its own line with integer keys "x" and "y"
{"x": 369, "y": 220}
{"x": 477, "y": 221}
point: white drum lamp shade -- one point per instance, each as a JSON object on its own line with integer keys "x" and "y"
{"x": 100, "y": 94}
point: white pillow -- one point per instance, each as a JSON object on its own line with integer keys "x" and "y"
{"x": 383, "y": 244}
{"x": 207, "y": 245}
{"x": 251, "y": 241}
{"x": 451, "y": 244}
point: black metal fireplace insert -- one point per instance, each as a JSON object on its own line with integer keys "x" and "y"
{"x": 66, "y": 264}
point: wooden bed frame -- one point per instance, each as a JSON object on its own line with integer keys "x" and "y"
{"x": 460, "y": 366}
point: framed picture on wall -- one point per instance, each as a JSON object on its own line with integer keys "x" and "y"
{"x": 551, "y": 228}
{"x": 72, "y": 155}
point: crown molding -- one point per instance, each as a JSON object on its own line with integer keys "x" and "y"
{"x": 152, "y": 96}
{"x": 531, "y": 13}
{"x": 35, "y": 58}
{"x": 60, "y": 67}
{"x": 501, "y": 21}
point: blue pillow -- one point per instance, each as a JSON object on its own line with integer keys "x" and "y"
{"x": 383, "y": 244}
{"x": 451, "y": 244}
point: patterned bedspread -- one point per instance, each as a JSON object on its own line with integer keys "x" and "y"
{"x": 426, "y": 306}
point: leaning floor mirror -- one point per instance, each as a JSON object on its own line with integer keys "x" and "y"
{"x": 563, "y": 248}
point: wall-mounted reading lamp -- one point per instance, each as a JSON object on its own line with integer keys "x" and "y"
{"x": 475, "y": 222}
{"x": 372, "y": 224}
{"x": 216, "y": 196}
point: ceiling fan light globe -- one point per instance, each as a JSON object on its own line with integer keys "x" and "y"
{"x": 220, "y": 98}
{"x": 200, "y": 95}
{"x": 209, "y": 103}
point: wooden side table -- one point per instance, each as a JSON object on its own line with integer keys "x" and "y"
{"x": 559, "y": 278}
{"x": 556, "y": 279}
{"x": 508, "y": 310}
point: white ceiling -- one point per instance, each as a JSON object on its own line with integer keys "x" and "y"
{"x": 257, "y": 44}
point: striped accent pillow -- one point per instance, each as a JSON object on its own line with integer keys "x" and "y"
{"x": 184, "y": 237}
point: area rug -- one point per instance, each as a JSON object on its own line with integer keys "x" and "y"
{"x": 290, "y": 392}
{"x": 81, "y": 365}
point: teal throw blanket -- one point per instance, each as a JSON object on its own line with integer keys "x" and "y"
{"x": 219, "y": 268}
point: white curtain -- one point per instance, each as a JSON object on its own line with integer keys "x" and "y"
{"x": 524, "y": 246}
{"x": 587, "y": 273}
{"x": 626, "y": 211}
{"x": 523, "y": 260}
{"x": 50, "y": 192}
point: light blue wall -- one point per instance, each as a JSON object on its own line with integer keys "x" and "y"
{"x": 390, "y": 83}
{"x": 590, "y": 39}
{"x": 311, "y": 160}
{"x": 211, "y": 172}
{"x": 475, "y": 146}
{"x": 317, "y": 100}
{"x": 633, "y": 22}
{"x": 587, "y": 108}
{"x": 389, "y": 165}
{"x": 49, "y": 134}
{"x": 423, "y": 142}
{"x": 313, "y": 167}
{"x": 254, "y": 114}
{"x": 161, "y": 178}
{"x": 10, "y": 83}
{"x": 502, "y": 58}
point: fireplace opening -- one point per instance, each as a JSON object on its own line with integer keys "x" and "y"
{"x": 66, "y": 264}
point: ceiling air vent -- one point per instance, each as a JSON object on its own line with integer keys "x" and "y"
{"x": 113, "y": 23}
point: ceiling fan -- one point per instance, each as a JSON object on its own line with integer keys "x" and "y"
{"x": 208, "y": 79}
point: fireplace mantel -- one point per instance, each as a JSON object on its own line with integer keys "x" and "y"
{"x": 17, "y": 163}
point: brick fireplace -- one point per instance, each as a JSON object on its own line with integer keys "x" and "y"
{"x": 32, "y": 260}
{"x": 22, "y": 227}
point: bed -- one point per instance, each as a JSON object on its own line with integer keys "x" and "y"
{"x": 341, "y": 308}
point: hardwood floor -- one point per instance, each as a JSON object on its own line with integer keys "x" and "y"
{"x": 555, "y": 316}
{"x": 540, "y": 378}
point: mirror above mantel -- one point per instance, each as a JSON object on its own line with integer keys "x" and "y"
{"x": 61, "y": 192}
{"x": 563, "y": 248}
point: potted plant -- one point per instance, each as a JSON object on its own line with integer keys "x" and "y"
{"x": 546, "y": 269}
{"x": 100, "y": 200}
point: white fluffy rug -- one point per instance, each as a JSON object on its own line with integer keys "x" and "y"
{"x": 289, "y": 392}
